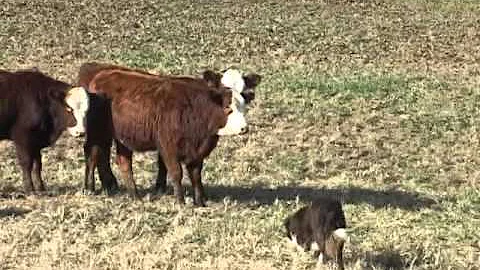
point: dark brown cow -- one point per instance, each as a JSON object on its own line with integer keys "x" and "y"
{"x": 180, "y": 117}
{"x": 99, "y": 132}
{"x": 34, "y": 110}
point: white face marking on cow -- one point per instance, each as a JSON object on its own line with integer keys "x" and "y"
{"x": 236, "y": 124}
{"x": 233, "y": 79}
{"x": 77, "y": 100}
{"x": 341, "y": 234}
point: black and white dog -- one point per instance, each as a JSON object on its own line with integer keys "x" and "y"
{"x": 321, "y": 227}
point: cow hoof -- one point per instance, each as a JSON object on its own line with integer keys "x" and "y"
{"x": 199, "y": 203}
{"x": 39, "y": 193}
{"x": 134, "y": 196}
{"x": 152, "y": 196}
{"x": 111, "y": 192}
{"x": 28, "y": 191}
{"x": 159, "y": 191}
{"x": 180, "y": 201}
{"x": 41, "y": 188}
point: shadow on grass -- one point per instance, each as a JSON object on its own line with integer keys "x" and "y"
{"x": 266, "y": 196}
{"x": 384, "y": 259}
{"x": 389, "y": 258}
{"x": 350, "y": 195}
{"x": 13, "y": 212}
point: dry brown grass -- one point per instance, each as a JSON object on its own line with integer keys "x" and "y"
{"x": 374, "y": 102}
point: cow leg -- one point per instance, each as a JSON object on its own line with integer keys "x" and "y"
{"x": 175, "y": 172}
{"x": 109, "y": 182}
{"x": 25, "y": 160}
{"x": 124, "y": 161}
{"x": 195, "y": 174}
{"x": 37, "y": 171}
{"x": 91, "y": 154}
{"x": 319, "y": 238}
{"x": 161, "y": 181}
{"x": 339, "y": 257}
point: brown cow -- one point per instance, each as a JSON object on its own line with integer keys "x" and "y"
{"x": 99, "y": 132}
{"x": 180, "y": 117}
{"x": 34, "y": 111}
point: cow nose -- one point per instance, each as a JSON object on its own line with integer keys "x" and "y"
{"x": 244, "y": 130}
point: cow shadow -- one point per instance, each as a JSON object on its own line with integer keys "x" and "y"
{"x": 260, "y": 195}
{"x": 350, "y": 195}
{"x": 13, "y": 212}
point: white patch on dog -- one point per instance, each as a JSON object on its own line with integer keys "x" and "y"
{"x": 341, "y": 233}
{"x": 320, "y": 258}
{"x": 314, "y": 246}
{"x": 294, "y": 242}
{"x": 77, "y": 100}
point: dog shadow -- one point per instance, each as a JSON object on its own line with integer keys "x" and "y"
{"x": 388, "y": 259}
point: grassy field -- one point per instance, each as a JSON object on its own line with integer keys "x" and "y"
{"x": 374, "y": 102}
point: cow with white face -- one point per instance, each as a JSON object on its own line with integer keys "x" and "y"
{"x": 241, "y": 86}
{"x": 35, "y": 109}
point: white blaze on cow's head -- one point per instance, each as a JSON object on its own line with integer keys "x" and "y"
{"x": 243, "y": 86}
{"x": 77, "y": 100}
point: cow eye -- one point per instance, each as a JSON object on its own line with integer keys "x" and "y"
{"x": 69, "y": 109}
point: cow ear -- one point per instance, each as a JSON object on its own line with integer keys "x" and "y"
{"x": 248, "y": 95}
{"x": 212, "y": 78}
{"x": 252, "y": 80}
